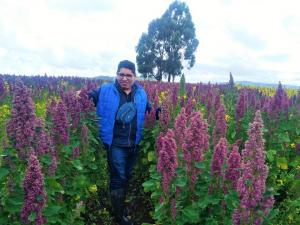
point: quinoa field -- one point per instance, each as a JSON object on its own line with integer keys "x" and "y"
{"x": 219, "y": 154}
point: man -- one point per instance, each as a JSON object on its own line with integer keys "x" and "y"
{"x": 121, "y": 107}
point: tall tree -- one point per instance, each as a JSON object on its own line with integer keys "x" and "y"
{"x": 169, "y": 45}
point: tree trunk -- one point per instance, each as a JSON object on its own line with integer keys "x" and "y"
{"x": 158, "y": 75}
{"x": 169, "y": 78}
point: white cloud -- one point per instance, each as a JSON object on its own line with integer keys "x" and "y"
{"x": 257, "y": 40}
{"x": 261, "y": 32}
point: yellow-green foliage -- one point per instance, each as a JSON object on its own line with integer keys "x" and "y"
{"x": 40, "y": 109}
{"x": 4, "y": 114}
{"x": 270, "y": 91}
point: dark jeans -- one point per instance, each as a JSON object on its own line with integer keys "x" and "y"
{"x": 121, "y": 161}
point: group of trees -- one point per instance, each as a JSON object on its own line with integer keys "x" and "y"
{"x": 169, "y": 45}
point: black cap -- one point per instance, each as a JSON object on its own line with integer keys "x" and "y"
{"x": 128, "y": 65}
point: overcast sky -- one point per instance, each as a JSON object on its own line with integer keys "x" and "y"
{"x": 257, "y": 40}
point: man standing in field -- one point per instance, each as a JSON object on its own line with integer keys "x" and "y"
{"x": 121, "y": 107}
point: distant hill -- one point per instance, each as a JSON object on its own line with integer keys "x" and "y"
{"x": 104, "y": 78}
{"x": 249, "y": 83}
{"x": 243, "y": 83}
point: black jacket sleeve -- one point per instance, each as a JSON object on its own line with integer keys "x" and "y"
{"x": 94, "y": 95}
{"x": 149, "y": 108}
{"x": 157, "y": 111}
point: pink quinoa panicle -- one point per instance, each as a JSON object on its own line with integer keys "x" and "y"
{"x": 252, "y": 184}
{"x": 233, "y": 172}
{"x": 220, "y": 128}
{"x": 180, "y": 127}
{"x": 167, "y": 159}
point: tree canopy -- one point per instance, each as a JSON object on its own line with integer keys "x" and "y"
{"x": 169, "y": 45}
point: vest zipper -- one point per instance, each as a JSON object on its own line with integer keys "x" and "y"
{"x": 123, "y": 121}
{"x": 129, "y": 135}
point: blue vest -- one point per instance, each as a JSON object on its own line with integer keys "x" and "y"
{"x": 107, "y": 108}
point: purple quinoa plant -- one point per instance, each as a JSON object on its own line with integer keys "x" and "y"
{"x": 219, "y": 158}
{"x": 60, "y": 123}
{"x": 86, "y": 104}
{"x": 75, "y": 152}
{"x": 217, "y": 165}
{"x": 20, "y": 127}
{"x": 180, "y": 127}
{"x": 53, "y": 165}
{"x": 195, "y": 145}
{"x": 241, "y": 105}
{"x": 220, "y": 128}
{"x": 279, "y": 103}
{"x": 252, "y": 184}
{"x": 41, "y": 139}
{"x": 34, "y": 191}
{"x": 73, "y": 106}
{"x": 84, "y": 136}
{"x": 165, "y": 115}
{"x": 167, "y": 159}
{"x": 233, "y": 171}
{"x": 2, "y": 87}
{"x": 150, "y": 119}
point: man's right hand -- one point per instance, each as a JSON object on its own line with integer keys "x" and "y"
{"x": 77, "y": 94}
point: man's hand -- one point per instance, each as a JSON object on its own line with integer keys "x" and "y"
{"x": 77, "y": 93}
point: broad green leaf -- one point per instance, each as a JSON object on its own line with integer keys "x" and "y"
{"x": 270, "y": 154}
{"x": 158, "y": 208}
{"x": 54, "y": 185}
{"x": 32, "y": 216}
{"x": 152, "y": 169}
{"x": 297, "y": 130}
{"x": 282, "y": 163}
{"x": 296, "y": 162}
{"x": 203, "y": 203}
{"x": 67, "y": 149}
{"x": 4, "y": 220}
{"x": 284, "y": 137}
{"x": 79, "y": 181}
{"x": 214, "y": 199}
{"x": 155, "y": 176}
{"x": 211, "y": 221}
{"x": 146, "y": 146}
{"x": 233, "y": 134}
{"x": 77, "y": 164}
{"x": 149, "y": 184}
{"x": 156, "y": 194}
{"x": 200, "y": 165}
{"x": 51, "y": 211}
{"x": 296, "y": 187}
{"x": 13, "y": 204}
{"x": 192, "y": 213}
{"x": 93, "y": 166}
{"x": 232, "y": 200}
{"x": 151, "y": 156}
{"x": 46, "y": 159}
{"x": 3, "y": 172}
{"x": 180, "y": 181}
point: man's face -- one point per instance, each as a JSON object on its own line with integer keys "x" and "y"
{"x": 125, "y": 78}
